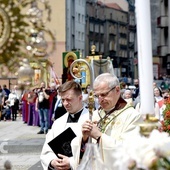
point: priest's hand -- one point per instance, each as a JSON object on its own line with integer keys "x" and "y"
{"x": 95, "y": 132}
{"x": 61, "y": 163}
{"x": 86, "y": 129}
{"x": 90, "y": 129}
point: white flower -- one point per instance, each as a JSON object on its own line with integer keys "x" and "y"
{"x": 142, "y": 151}
{"x": 160, "y": 142}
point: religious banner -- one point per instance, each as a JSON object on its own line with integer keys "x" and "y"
{"x": 68, "y": 58}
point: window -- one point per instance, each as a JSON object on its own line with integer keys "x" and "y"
{"x": 79, "y": 36}
{"x": 97, "y": 46}
{"x": 101, "y": 29}
{"x": 91, "y": 27}
{"x": 79, "y": 18}
{"x": 111, "y": 16}
{"x": 96, "y": 28}
{"x": 83, "y": 19}
{"x": 82, "y": 36}
{"x": 102, "y": 47}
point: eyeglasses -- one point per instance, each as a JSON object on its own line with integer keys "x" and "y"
{"x": 103, "y": 95}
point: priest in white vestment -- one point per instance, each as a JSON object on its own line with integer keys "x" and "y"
{"x": 71, "y": 96}
{"x": 111, "y": 124}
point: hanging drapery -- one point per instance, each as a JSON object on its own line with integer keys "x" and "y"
{"x": 101, "y": 66}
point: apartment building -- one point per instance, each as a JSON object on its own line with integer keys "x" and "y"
{"x": 163, "y": 23}
{"x": 103, "y": 24}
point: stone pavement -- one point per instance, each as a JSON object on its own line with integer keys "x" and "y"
{"x": 20, "y": 144}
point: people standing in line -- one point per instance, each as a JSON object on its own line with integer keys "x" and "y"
{"x": 18, "y": 103}
{"x": 29, "y": 115}
{"x": 7, "y": 91}
{"x": 71, "y": 96}
{"x": 160, "y": 100}
{"x": 59, "y": 109}
{"x": 136, "y": 90}
{"x": 157, "y": 94}
{"x": 160, "y": 77}
{"x": 123, "y": 87}
{"x": 6, "y": 113}
{"x": 28, "y": 96}
{"x": 2, "y": 99}
{"x": 156, "y": 85}
{"x": 125, "y": 79}
{"x": 165, "y": 94}
{"x": 52, "y": 99}
{"x": 111, "y": 124}
{"x": 13, "y": 102}
{"x": 127, "y": 96}
{"x": 53, "y": 95}
{"x": 42, "y": 105}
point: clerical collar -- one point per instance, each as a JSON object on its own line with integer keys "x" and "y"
{"x": 72, "y": 118}
{"x": 119, "y": 105}
{"x": 107, "y": 111}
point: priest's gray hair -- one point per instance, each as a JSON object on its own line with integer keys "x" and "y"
{"x": 108, "y": 78}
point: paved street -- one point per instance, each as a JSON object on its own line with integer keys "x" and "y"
{"x": 20, "y": 144}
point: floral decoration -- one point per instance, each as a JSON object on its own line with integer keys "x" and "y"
{"x": 166, "y": 116}
{"x": 142, "y": 153}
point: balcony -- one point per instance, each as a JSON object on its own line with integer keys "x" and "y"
{"x": 162, "y": 21}
{"x": 162, "y": 50}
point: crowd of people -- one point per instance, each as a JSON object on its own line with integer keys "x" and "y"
{"x": 56, "y": 109}
{"x": 9, "y": 103}
{"x": 132, "y": 96}
{"x": 41, "y": 106}
{"x": 36, "y": 106}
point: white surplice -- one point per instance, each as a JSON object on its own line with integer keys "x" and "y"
{"x": 60, "y": 124}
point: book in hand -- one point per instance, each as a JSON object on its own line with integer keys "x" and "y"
{"x": 62, "y": 143}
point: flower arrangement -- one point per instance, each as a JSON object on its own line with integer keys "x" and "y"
{"x": 141, "y": 153}
{"x": 166, "y": 116}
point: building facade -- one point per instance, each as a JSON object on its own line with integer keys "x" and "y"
{"x": 107, "y": 28}
{"x": 112, "y": 28}
{"x": 109, "y": 25}
{"x": 163, "y": 23}
{"x": 75, "y": 25}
